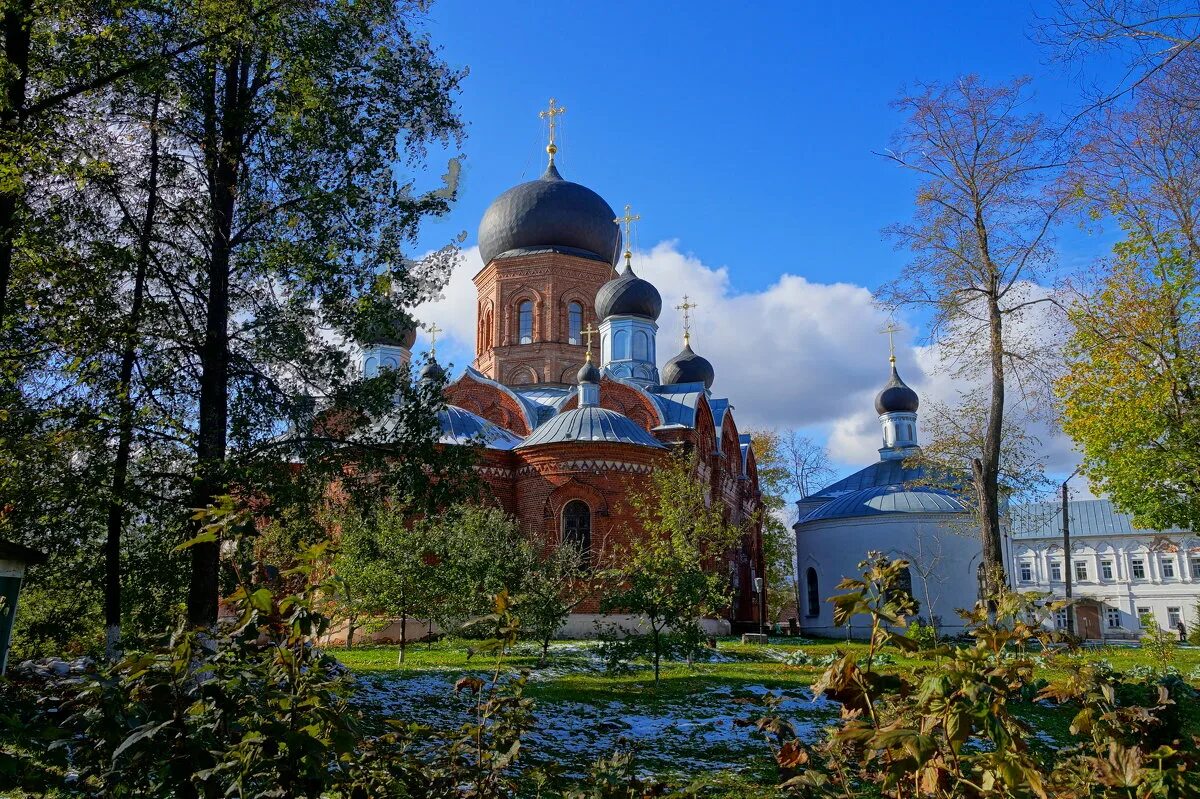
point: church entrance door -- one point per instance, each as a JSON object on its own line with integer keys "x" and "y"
{"x": 1087, "y": 618}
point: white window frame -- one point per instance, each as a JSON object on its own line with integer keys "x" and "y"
{"x": 1056, "y": 571}
{"x": 1137, "y": 565}
{"x": 1081, "y": 566}
{"x": 1112, "y": 618}
{"x": 1174, "y": 617}
{"x": 1106, "y": 569}
{"x": 1168, "y": 568}
{"x": 1026, "y": 571}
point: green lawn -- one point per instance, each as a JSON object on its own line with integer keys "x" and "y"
{"x": 681, "y": 728}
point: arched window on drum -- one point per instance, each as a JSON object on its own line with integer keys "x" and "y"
{"x": 577, "y": 528}
{"x": 525, "y": 322}
{"x": 575, "y": 323}
{"x": 814, "y": 593}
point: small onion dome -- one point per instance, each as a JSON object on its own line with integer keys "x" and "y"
{"x": 432, "y": 371}
{"x": 393, "y": 336}
{"x": 588, "y": 373}
{"x": 688, "y": 367}
{"x": 896, "y": 396}
{"x": 628, "y": 294}
{"x": 549, "y": 213}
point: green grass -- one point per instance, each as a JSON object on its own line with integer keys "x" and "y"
{"x": 740, "y": 766}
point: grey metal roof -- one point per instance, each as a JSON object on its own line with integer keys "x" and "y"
{"x": 458, "y": 426}
{"x": 744, "y": 443}
{"x": 883, "y": 473}
{"x": 678, "y": 403}
{"x": 549, "y": 213}
{"x": 1090, "y": 517}
{"x": 885, "y": 499}
{"x": 591, "y": 423}
{"x": 548, "y": 399}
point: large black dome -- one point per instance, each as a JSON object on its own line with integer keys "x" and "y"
{"x": 688, "y": 367}
{"x": 896, "y": 397}
{"x": 550, "y": 213}
{"x": 628, "y": 294}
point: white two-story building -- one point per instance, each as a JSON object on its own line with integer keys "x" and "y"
{"x": 1118, "y": 573}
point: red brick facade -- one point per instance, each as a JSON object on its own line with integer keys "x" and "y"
{"x": 550, "y": 281}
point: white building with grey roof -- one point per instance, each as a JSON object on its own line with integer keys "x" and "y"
{"x": 1118, "y": 572}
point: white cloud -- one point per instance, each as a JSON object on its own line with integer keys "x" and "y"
{"x": 796, "y": 354}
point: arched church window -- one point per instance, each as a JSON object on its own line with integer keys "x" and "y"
{"x": 641, "y": 346}
{"x": 577, "y": 527}
{"x": 525, "y": 322}
{"x": 575, "y": 323}
{"x": 814, "y": 593}
{"x": 621, "y": 345}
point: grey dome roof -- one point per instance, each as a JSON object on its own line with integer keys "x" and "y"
{"x": 896, "y": 396}
{"x": 590, "y": 423}
{"x": 588, "y": 373}
{"x": 878, "y": 500}
{"x": 432, "y": 371}
{"x": 549, "y": 213}
{"x": 456, "y": 426}
{"x": 688, "y": 367}
{"x": 628, "y": 294}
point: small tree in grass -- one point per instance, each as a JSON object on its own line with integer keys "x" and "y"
{"x": 387, "y": 566}
{"x": 1158, "y": 643}
{"x": 666, "y": 575}
{"x": 554, "y": 586}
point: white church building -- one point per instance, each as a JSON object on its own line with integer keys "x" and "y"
{"x": 894, "y": 508}
{"x": 1119, "y": 573}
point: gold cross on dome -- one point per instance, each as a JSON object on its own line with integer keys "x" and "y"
{"x": 550, "y": 113}
{"x": 433, "y": 330}
{"x": 687, "y": 319}
{"x": 891, "y": 329}
{"x": 588, "y": 332}
{"x": 628, "y": 219}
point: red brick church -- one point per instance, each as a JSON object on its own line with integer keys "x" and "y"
{"x": 564, "y": 440}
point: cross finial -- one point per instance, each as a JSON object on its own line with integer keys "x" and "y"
{"x": 686, "y": 307}
{"x": 433, "y": 330}
{"x": 628, "y": 219}
{"x": 550, "y": 113}
{"x": 891, "y": 329}
{"x": 588, "y": 332}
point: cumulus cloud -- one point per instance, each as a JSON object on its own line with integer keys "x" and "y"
{"x": 797, "y": 354}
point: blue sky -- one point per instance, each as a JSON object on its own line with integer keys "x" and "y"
{"x": 745, "y": 135}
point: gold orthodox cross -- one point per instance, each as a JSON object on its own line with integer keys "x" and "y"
{"x": 891, "y": 329}
{"x": 687, "y": 319}
{"x": 550, "y": 114}
{"x": 433, "y": 330}
{"x": 587, "y": 335}
{"x": 628, "y": 219}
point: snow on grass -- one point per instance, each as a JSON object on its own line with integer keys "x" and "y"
{"x": 684, "y": 733}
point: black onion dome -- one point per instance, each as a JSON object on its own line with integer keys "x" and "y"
{"x": 588, "y": 373}
{"x": 688, "y": 367}
{"x": 628, "y": 294}
{"x": 549, "y": 213}
{"x": 433, "y": 371}
{"x": 896, "y": 396}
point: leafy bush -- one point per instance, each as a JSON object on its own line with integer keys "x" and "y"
{"x": 925, "y": 636}
{"x": 950, "y": 731}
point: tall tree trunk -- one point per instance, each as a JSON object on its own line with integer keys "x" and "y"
{"x": 125, "y": 413}
{"x": 225, "y": 119}
{"x": 17, "y": 21}
{"x": 403, "y": 636}
{"x": 987, "y": 471}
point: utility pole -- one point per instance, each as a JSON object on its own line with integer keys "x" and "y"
{"x": 1068, "y": 566}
